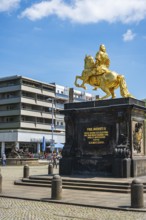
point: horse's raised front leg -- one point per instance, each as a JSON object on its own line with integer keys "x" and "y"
{"x": 83, "y": 85}
{"x": 76, "y": 84}
{"x": 80, "y": 85}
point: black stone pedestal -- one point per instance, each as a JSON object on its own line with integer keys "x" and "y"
{"x": 65, "y": 166}
{"x": 105, "y": 138}
{"x": 121, "y": 167}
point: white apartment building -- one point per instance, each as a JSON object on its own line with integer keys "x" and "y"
{"x": 29, "y": 112}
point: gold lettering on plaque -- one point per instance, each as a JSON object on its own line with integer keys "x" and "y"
{"x": 96, "y": 135}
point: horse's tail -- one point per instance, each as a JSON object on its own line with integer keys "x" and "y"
{"x": 123, "y": 87}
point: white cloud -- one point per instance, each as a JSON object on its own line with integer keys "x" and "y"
{"x": 7, "y": 5}
{"x": 87, "y": 11}
{"x": 129, "y": 35}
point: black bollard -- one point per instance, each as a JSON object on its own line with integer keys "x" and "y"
{"x": 56, "y": 192}
{"x": 50, "y": 169}
{"x": 0, "y": 182}
{"x": 126, "y": 167}
{"x": 26, "y": 171}
{"x": 137, "y": 198}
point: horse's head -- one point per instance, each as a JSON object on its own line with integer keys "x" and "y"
{"x": 89, "y": 62}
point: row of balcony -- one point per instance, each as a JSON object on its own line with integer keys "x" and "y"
{"x": 27, "y": 89}
{"x": 31, "y": 102}
{"x": 47, "y": 115}
{"x": 31, "y": 125}
{"x": 33, "y": 91}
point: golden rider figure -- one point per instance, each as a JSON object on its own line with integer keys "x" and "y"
{"x": 97, "y": 74}
{"x": 102, "y": 61}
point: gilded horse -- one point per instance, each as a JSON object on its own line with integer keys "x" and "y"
{"x": 107, "y": 82}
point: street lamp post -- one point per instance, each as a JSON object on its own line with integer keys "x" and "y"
{"x": 52, "y": 126}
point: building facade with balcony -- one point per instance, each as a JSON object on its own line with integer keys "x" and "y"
{"x": 26, "y": 114}
{"x": 30, "y": 112}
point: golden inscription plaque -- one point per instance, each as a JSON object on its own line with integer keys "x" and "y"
{"x": 96, "y": 135}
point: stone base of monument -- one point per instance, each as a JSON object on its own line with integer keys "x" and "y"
{"x": 86, "y": 166}
{"x": 22, "y": 161}
{"x": 105, "y": 138}
{"x": 78, "y": 182}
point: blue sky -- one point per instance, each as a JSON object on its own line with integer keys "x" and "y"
{"x": 47, "y": 40}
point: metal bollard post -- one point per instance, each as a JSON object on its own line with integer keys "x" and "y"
{"x": 56, "y": 192}
{"x": 26, "y": 171}
{"x": 126, "y": 167}
{"x": 50, "y": 169}
{"x": 0, "y": 182}
{"x": 137, "y": 198}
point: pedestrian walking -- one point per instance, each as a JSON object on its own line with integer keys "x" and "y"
{"x": 54, "y": 160}
{"x": 4, "y": 159}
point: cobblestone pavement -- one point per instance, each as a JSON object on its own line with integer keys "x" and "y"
{"x": 14, "y": 209}
{"x": 18, "y": 209}
{"x": 15, "y": 172}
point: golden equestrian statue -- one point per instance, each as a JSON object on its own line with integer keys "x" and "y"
{"x": 97, "y": 74}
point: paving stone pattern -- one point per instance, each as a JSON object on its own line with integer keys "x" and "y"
{"x": 18, "y": 209}
{"x": 14, "y": 209}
